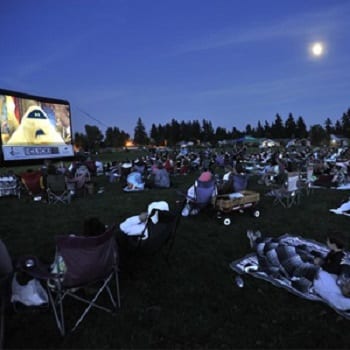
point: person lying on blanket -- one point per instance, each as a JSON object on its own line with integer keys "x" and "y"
{"x": 281, "y": 260}
{"x": 328, "y": 275}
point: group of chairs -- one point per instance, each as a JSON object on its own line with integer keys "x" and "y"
{"x": 295, "y": 186}
{"x": 53, "y": 187}
{"x": 87, "y": 269}
{"x": 56, "y": 188}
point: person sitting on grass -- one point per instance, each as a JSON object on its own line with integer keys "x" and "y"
{"x": 160, "y": 177}
{"x": 134, "y": 182}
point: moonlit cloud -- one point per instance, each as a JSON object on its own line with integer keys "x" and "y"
{"x": 306, "y": 25}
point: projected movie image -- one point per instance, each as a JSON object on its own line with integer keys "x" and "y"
{"x": 34, "y": 128}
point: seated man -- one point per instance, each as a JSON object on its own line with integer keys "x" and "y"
{"x": 234, "y": 180}
{"x": 161, "y": 177}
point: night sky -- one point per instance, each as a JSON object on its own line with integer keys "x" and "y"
{"x": 230, "y": 62}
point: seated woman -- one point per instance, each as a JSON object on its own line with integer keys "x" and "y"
{"x": 274, "y": 172}
{"x": 134, "y": 182}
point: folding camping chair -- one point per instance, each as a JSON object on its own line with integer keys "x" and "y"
{"x": 57, "y": 190}
{"x": 9, "y": 186}
{"x": 33, "y": 183}
{"x": 83, "y": 171}
{"x": 203, "y": 193}
{"x": 288, "y": 194}
{"x": 88, "y": 262}
{"x": 156, "y": 236}
{"x": 307, "y": 180}
{"x": 240, "y": 182}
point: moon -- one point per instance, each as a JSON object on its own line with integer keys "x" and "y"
{"x": 317, "y": 49}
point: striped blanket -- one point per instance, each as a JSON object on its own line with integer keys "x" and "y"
{"x": 280, "y": 268}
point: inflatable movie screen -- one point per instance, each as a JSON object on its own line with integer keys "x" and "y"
{"x": 34, "y": 127}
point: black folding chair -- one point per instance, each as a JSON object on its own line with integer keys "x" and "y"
{"x": 57, "y": 190}
{"x": 160, "y": 235}
{"x": 85, "y": 263}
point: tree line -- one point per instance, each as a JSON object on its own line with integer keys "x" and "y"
{"x": 203, "y": 131}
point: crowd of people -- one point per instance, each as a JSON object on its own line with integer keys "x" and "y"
{"x": 217, "y": 172}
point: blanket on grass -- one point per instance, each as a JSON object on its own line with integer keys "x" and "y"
{"x": 323, "y": 288}
{"x": 340, "y": 187}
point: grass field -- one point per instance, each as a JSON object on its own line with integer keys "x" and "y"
{"x": 191, "y": 302}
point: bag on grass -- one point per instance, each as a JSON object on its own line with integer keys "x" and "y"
{"x": 30, "y": 294}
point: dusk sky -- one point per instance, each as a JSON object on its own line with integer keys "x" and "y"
{"x": 228, "y": 61}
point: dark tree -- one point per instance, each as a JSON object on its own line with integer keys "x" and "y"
{"x": 318, "y": 135}
{"x": 234, "y": 134}
{"x": 140, "y": 135}
{"x": 115, "y": 138}
{"x": 259, "y": 130}
{"x": 248, "y": 129}
{"x": 329, "y": 126}
{"x": 207, "y": 131}
{"x": 345, "y": 122}
{"x": 267, "y": 130}
{"x": 290, "y": 127}
{"x": 80, "y": 141}
{"x": 195, "y": 130}
{"x": 220, "y": 134}
{"x": 277, "y": 128}
{"x": 338, "y": 128}
{"x": 301, "y": 130}
{"x": 94, "y": 137}
{"x": 155, "y": 135}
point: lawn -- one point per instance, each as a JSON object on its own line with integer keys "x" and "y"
{"x": 192, "y": 302}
